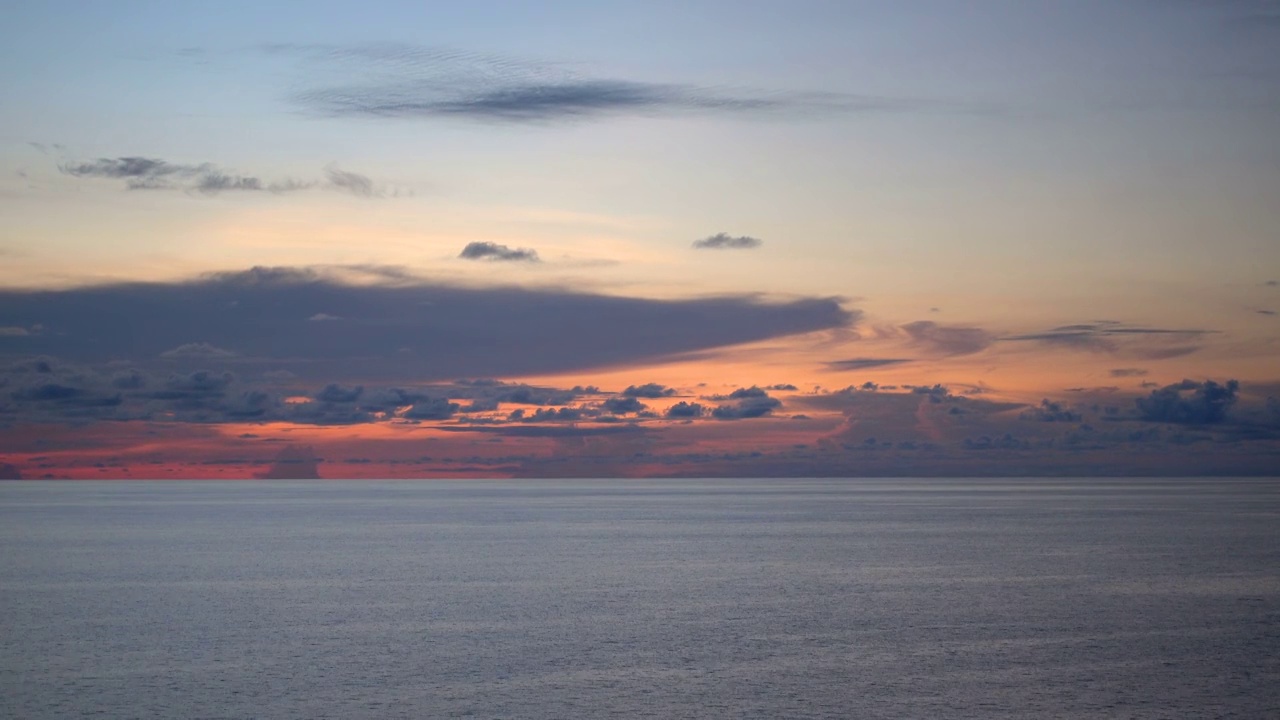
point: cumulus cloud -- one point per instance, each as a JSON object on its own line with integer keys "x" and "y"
{"x": 495, "y": 252}
{"x": 749, "y": 408}
{"x": 1189, "y": 402}
{"x": 750, "y": 402}
{"x": 648, "y": 390}
{"x": 947, "y": 339}
{"x": 723, "y": 241}
{"x": 684, "y": 409}
{"x": 623, "y": 405}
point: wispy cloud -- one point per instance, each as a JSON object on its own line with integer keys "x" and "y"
{"x": 144, "y": 173}
{"x": 407, "y": 81}
{"x": 947, "y": 339}
{"x": 1109, "y": 336}
{"x": 865, "y": 363}
{"x": 724, "y": 241}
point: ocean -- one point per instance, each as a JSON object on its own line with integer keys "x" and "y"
{"x": 949, "y": 598}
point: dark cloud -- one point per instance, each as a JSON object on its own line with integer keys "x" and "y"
{"x": 564, "y": 414}
{"x": 548, "y": 431}
{"x": 865, "y": 363}
{"x": 1272, "y": 283}
{"x": 432, "y": 409}
{"x": 1119, "y": 339}
{"x": 495, "y": 252}
{"x": 684, "y": 409}
{"x": 334, "y": 393}
{"x": 723, "y": 241}
{"x": 1189, "y": 402}
{"x": 648, "y": 390}
{"x": 947, "y": 339}
{"x": 1128, "y": 372}
{"x": 936, "y": 393}
{"x": 751, "y": 402}
{"x": 623, "y": 405}
{"x": 749, "y": 408}
{"x": 1266, "y": 312}
{"x": 1004, "y": 442}
{"x": 1050, "y": 411}
{"x": 782, "y": 387}
{"x": 419, "y": 330}
{"x": 405, "y": 81}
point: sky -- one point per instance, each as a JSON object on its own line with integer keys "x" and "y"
{"x": 634, "y": 239}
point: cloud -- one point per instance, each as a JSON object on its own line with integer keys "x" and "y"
{"x": 865, "y": 363}
{"x": 1189, "y": 402}
{"x": 335, "y": 393}
{"x": 1050, "y": 411}
{"x": 947, "y": 339}
{"x": 684, "y": 409}
{"x": 140, "y": 173}
{"x": 623, "y": 405}
{"x": 196, "y": 350}
{"x": 495, "y": 252}
{"x": 752, "y": 402}
{"x": 401, "y": 330}
{"x": 354, "y": 183}
{"x": 648, "y": 390}
{"x": 1266, "y": 312}
{"x": 1116, "y": 338}
{"x": 723, "y": 241}
{"x": 431, "y": 409}
{"x": 1128, "y": 372}
{"x": 412, "y": 82}
{"x": 749, "y": 408}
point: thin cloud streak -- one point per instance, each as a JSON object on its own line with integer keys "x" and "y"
{"x": 406, "y": 81}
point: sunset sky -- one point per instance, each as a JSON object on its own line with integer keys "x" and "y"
{"x": 621, "y": 239}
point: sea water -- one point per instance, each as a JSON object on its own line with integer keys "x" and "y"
{"x": 956, "y": 598}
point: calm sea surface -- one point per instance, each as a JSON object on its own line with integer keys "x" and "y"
{"x": 663, "y": 599}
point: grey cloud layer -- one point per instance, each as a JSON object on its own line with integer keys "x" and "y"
{"x": 405, "y": 329}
